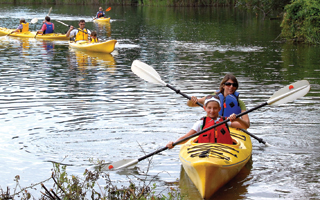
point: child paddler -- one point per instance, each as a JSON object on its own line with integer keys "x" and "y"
{"x": 220, "y": 134}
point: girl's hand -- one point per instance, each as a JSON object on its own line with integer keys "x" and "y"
{"x": 169, "y": 145}
{"x": 194, "y": 99}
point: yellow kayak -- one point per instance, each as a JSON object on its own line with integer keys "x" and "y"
{"x": 102, "y": 47}
{"x": 50, "y": 36}
{"x": 212, "y": 165}
{"x": 102, "y": 19}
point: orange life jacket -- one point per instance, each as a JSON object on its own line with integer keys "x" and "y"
{"x": 219, "y": 134}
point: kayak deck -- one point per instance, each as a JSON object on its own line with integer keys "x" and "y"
{"x": 212, "y": 165}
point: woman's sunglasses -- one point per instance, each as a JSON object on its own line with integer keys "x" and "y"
{"x": 229, "y": 84}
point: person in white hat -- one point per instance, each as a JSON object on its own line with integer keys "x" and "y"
{"x": 220, "y": 134}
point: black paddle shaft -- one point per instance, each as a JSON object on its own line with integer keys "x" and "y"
{"x": 179, "y": 92}
{"x": 200, "y": 132}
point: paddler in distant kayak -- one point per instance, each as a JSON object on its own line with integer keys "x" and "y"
{"x": 220, "y": 134}
{"x": 229, "y": 98}
{"x": 47, "y": 26}
{"x": 100, "y": 13}
{"x": 79, "y": 34}
{"x": 23, "y": 26}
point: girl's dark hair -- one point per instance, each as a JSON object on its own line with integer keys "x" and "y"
{"x": 225, "y": 79}
{"x": 93, "y": 33}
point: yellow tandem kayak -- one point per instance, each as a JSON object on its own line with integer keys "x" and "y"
{"x": 102, "y": 19}
{"x": 102, "y": 47}
{"x": 212, "y": 165}
{"x": 50, "y": 36}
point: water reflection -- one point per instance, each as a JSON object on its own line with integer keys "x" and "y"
{"x": 88, "y": 60}
{"x": 103, "y": 28}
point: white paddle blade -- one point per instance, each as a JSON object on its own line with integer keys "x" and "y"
{"x": 34, "y": 20}
{"x": 290, "y": 93}
{"x": 146, "y": 72}
{"x": 49, "y": 11}
{"x": 120, "y": 164}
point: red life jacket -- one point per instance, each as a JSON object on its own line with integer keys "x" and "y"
{"x": 219, "y": 134}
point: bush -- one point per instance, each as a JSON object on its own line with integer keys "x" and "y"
{"x": 301, "y": 21}
{"x": 87, "y": 187}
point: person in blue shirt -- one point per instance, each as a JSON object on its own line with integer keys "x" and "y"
{"x": 100, "y": 13}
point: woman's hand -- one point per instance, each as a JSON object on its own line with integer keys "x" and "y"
{"x": 232, "y": 117}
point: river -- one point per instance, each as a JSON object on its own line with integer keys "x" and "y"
{"x": 67, "y": 106}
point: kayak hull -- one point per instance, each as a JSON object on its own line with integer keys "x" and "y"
{"x": 210, "y": 166}
{"x": 28, "y": 34}
{"x": 102, "y": 47}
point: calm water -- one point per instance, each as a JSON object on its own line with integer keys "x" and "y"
{"x": 61, "y": 105}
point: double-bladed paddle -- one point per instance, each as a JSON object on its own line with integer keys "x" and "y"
{"x": 149, "y": 74}
{"x": 288, "y": 93}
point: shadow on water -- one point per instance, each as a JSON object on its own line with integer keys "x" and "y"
{"x": 234, "y": 189}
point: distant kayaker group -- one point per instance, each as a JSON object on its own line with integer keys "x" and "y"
{"x": 76, "y": 34}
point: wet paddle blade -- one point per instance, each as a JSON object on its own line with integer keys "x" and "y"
{"x": 108, "y": 9}
{"x": 290, "y": 93}
{"x": 146, "y": 72}
{"x": 34, "y": 20}
{"x": 120, "y": 164}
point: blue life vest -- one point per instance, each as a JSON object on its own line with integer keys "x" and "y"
{"x": 229, "y": 105}
{"x": 49, "y": 28}
{"x": 100, "y": 14}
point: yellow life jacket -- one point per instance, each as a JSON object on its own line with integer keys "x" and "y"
{"x": 93, "y": 40}
{"x": 81, "y": 35}
{"x": 25, "y": 27}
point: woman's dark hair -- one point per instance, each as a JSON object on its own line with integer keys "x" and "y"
{"x": 225, "y": 79}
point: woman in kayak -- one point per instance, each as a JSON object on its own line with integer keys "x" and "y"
{"x": 220, "y": 134}
{"x": 229, "y": 98}
{"x": 23, "y": 26}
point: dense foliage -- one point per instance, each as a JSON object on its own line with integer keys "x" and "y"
{"x": 301, "y": 21}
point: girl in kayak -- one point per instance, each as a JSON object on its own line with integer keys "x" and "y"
{"x": 23, "y": 26}
{"x": 93, "y": 37}
{"x": 229, "y": 98}
{"x": 220, "y": 134}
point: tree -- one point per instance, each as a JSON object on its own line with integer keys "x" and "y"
{"x": 301, "y": 21}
